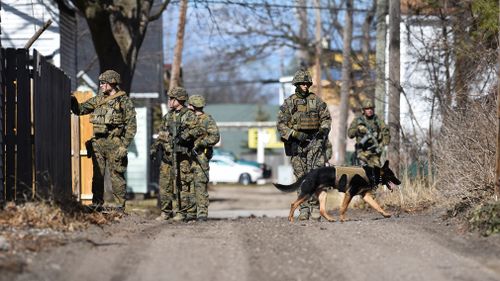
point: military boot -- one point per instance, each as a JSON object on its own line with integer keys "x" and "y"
{"x": 164, "y": 217}
{"x": 315, "y": 215}
{"x": 179, "y": 217}
{"x": 304, "y": 214}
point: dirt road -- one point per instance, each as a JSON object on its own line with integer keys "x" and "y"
{"x": 405, "y": 247}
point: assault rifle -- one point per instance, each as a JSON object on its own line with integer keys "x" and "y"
{"x": 374, "y": 147}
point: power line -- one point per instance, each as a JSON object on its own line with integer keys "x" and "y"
{"x": 223, "y": 84}
{"x": 268, "y": 5}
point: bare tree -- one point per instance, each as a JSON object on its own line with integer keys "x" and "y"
{"x": 346, "y": 84}
{"x": 380, "y": 57}
{"x": 497, "y": 162}
{"x": 179, "y": 46}
{"x": 368, "y": 84}
{"x": 394, "y": 82}
{"x": 304, "y": 56}
{"x": 118, "y": 29}
{"x": 317, "y": 60}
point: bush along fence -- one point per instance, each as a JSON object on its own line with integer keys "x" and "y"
{"x": 36, "y": 129}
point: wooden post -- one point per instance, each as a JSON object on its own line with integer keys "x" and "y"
{"x": 37, "y": 34}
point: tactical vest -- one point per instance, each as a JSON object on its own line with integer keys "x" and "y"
{"x": 305, "y": 113}
{"x": 106, "y": 117}
{"x": 174, "y": 129}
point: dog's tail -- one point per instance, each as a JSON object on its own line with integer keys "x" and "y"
{"x": 289, "y": 187}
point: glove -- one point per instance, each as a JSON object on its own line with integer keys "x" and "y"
{"x": 299, "y": 135}
{"x": 199, "y": 146}
{"x": 163, "y": 136}
{"x": 121, "y": 152}
{"x": 322, "y": 133}
{"x": 184, "y": 136}
{"x": 362, "y": 129}
{"x": 74, "y": 105}
{"x": 152, "y": 155}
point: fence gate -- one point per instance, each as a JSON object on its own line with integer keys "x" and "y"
{"x": 37, "y": 131}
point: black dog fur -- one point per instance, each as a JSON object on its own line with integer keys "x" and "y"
{"x": 350, "y": 180}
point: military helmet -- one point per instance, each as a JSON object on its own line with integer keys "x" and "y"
{"x": 197, "y": 101}
{"x": 111, "y": 77}
{"x": 178, "y": 93}
{"x": 367, "y": 104}
{"x": 302, "y": 76}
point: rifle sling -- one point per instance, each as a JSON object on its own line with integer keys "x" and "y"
{"x": 119, "y": 94}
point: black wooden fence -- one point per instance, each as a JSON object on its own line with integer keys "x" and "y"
{"x": 37, "y": 128}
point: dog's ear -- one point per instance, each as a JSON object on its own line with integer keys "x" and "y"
{"x": 386, "y": 164}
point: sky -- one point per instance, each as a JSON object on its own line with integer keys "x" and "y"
{"x": 204, "y": 31}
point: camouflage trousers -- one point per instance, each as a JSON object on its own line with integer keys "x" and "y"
{"x": 369, "y": 158}
{"x": 310, "y": 156}
{"x": 178, "y": 198}
{"x": 104, "y": 154}
{"x": 200, "y": 185}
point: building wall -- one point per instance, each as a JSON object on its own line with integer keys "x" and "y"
{"x": 22, "y": 18}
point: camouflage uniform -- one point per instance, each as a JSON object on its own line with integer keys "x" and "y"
{"x": 203, "y": 152}
{"x": 177, "y": 135}
{"x": 371, "y": 135}
{"x": 114, "y": 127}
{"x": 303, "y": 124}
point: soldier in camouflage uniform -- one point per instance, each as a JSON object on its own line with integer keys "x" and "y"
{"x": 371, "y": 135}
{"x": 114, "y": 125}
{"x": 303, "y": 124}
{"x": 176, "y": 140}
{"x": 203, "y": 151}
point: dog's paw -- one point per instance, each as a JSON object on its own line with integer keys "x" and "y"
{"x": 386, "y": 215}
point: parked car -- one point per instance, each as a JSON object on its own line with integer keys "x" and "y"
{"x": 266, "y": 170}
{"x": 223, "y": 169}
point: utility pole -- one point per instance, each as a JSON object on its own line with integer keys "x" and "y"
{"x": 318, "y": 50}
{"x": 346, "y": 85}
{"x": 179, "y": 45}
{"x": 394, "y": 83}
{"x": 380, "y": 57}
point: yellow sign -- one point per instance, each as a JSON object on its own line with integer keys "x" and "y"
{"x": 269, "y": 136}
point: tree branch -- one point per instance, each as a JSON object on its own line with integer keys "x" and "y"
{"x": 157, "y": 15}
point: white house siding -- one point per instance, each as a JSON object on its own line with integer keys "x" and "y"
{"x": 21, "y": 19}
{"x": 421, "y": 44}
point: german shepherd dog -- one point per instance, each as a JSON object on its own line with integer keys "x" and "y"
{"x": 350, "y": 180}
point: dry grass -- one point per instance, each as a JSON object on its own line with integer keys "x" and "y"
{"x": 411, "y": 196}
{"x": 42, "y": 215}
{"x": 465, "y": 156}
